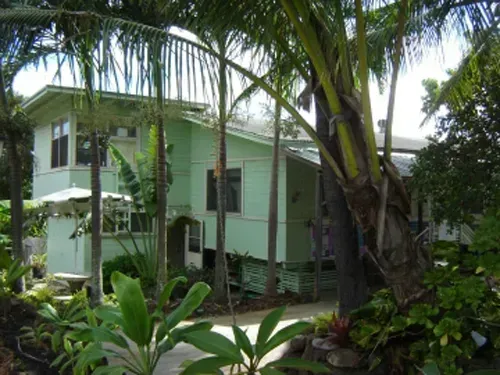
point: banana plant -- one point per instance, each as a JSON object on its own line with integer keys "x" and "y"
{"x": 226, "y": 353}
{"x": 141, "y": 186}
{"x": 136, "y": 328}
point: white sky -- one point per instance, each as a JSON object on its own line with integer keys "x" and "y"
{"x": 409, "y": 90}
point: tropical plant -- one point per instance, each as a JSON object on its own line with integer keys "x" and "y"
{"x": 226, "y": 353}
{"x": 143, "y": 189}
{"x": 432, "y": 369}
{"x": 322, "y": 54}
{"x": 10, "y": 271}
{"x": 35, "y": 336}
{"x": 132, "y": 318}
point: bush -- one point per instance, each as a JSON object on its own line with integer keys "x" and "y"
{"x": 37, "y": 297}
{"x": 121, "y": 263}
{"x": 193, "y": 275}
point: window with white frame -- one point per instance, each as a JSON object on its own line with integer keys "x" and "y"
{"x": 123, "y": 221}
{"x": 83, "y": 149}
{"x": 59, "y": 149}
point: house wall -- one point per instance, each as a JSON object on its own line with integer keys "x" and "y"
{"x": 300, "y": 209}
{"x": 64, "y": 254}
{"x": 246, "y": 231}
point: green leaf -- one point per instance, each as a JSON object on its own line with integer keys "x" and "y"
{"x": 484, "y": 372}
{"x": 444, "y": 340}
{"x": 49, "y": 313}
{"x": 270, "y": 371}
{"x": 283, "y": 336}
{"x": 167, "y": 291}
{"x": 430, "y": 369}
{"x": 179, "y": 333}
{"x": 56, "y": 341}
{"x": 58, "y": 360}
{"x": 189, "y": 304}
{"x": 110, "y": 314}
{"x": 137, "y": 322}
{"x": 266, "y": 328}
{"x": 161, "y": 332}
{"x": 110, "y": 370}
{"x": 243, "y": 342}
{"x": 209, "y": 365}
{"x": 299, "y": 364}
{"x": 102, "y": 334}
{"x": 214, "y": 343}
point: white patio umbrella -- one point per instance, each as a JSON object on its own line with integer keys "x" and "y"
{"x": 73, "y": 200}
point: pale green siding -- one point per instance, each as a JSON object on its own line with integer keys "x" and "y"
{"x": 300, "y": 208}
{"x": 246, "y": 231}
{"x": 64, "y": 254}
{"x": 81, "y": 178}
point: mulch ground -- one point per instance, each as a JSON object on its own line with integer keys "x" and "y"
{"x": 212, "y": 308}
{"x": 15, "y": 314}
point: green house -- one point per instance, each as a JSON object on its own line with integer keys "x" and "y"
{"x": 63, "y": 161}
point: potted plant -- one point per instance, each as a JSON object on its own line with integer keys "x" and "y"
{"x": 39, "y": 264}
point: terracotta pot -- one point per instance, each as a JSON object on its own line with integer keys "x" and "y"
{"x": 6, "y": 360}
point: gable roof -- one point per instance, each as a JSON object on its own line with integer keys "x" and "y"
{"x": 51, "y": 92}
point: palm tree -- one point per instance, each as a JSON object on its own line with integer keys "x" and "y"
{"x": 323, "y": 31}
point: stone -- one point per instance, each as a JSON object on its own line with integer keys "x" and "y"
{"x": 343, "y": 358}
{"x": 298, "y": 343}
{"x": 324, "y": 344}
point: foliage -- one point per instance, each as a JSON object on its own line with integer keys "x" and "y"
{"x": 35, "y": 336}
{"x": 432, "y": 369}
{"x": 34, "y": 226}
{"x": 442, "y": 332}
{"x": 122, "y": 263}
{"x": 464, "y": 154}
{"x": 38, "y": 297}
{"x": 321, "y": 323}
{"x": 138, "y": 326}
{"x": 10, "y": 271}
{"x": 226, "y": 353}
{"x": 142, "y": 188}
{"x": 334, "y": 327}
{"x": 192, "y": 274}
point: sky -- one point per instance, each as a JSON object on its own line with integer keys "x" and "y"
{"x": 407, "y": 114}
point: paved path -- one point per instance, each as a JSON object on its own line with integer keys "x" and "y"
{"x": 170, "y": 362}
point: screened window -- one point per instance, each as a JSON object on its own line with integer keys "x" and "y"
{"x": 233, "y": 190}
{"x": 83, "y": 149}
{"x": 124, "y": 221}
{"x": 60, "y": 136}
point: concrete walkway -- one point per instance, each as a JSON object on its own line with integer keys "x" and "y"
{"x": 170, "y": 362}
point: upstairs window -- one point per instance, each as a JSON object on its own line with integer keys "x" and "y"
{"x": 233, "y": 190}
{"x": 83, "y": 149}
{"x": 123, "y": 132}
{"x": 60, "y": 136}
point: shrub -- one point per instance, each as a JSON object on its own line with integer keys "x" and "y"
{"x": 121, "y": 263}
{"x": 193, "y": 275}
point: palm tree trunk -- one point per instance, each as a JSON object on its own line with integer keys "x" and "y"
{"x": 272, "y": 225}
{"x": 16, "y": 204}
{"x": 96, "y": 297}
{"x": 351, "y": 280}
{"x": 161, "y": 278}
{"x": 221, "y": 172}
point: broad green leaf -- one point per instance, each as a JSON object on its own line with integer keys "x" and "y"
{"x": 243, "y": 342}
{"x": 49, "y": 313}
{"x": 209, "y": 365}
{"x": 110, "y": 314}
{"x": 110, "y": 370}
{"x": 137, "y": 322}
{"x": 270, "y": 371}
{"x": 430, "y": 369}
{"x": 214, "y": 343}
{"x": 167, "y": 291}
{"x": 102, "y": 334}
{"x": 161, "y": 332}
{"x": 189, "y": 304}
{"x": 284, "y": 335}
{"x": 58, "y": 360}
{"x": 300, "y": 364}
{"x": 92, "y": 354}
{"x": 56, "y": 341}
{"x": 266, "y": 328}
{"x": 179, "y": 333}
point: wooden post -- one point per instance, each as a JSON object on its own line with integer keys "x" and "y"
{"x": 318, "y": 235}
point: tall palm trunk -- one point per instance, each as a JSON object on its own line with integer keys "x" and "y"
{"x": 351, "y": 279}
{"x": 96, "y": 292}
{"x": 219, "y": 278}
{"x": 272, "y": 225}
{"x": 162, "y": 204}
{"x": 16, "y": 198}
{"x": 96, "y": 297}
{"x": 16, "y": 204}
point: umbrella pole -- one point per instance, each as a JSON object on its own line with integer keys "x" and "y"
{"x": 76, "y": 237}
